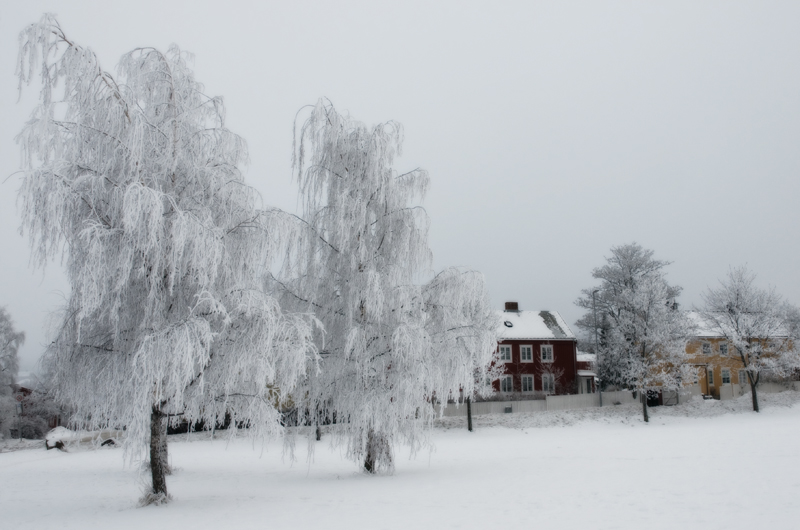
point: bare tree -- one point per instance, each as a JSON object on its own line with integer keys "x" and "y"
{"x": 756, "y": 322}
{"x": 556, "y": 376}
{"x": 393, "y": 344}
{"x": 135, "y": 182}
{"x": 644, "y": 334}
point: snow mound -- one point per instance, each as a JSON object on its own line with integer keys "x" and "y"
{"x": 60, "y": 437}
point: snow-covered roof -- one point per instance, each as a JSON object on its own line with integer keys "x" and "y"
{"x": 517, "y": 325}
{"x": 706, "y": 330}
{"x": 584, "y": 357}
{"x": 702, "y": 328}
{"x": 586, "y": 373}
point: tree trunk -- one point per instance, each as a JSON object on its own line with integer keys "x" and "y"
{"x": 753, "y": 393}
{"x": 643, "y": 395}
{"x": 469, "y": 414}
{"x": 316, "y": 423}
{"x": 369, "y": 460}
{"x": 158, "y": 453}
{"x": 378, "y": 452}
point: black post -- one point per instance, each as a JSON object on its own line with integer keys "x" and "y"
{"x": 469, "y": 414}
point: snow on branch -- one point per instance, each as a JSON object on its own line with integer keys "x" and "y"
{"x": 134, "y": 181}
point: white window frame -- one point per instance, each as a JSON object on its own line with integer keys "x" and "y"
{"x": 548, "y": 383}
{"x": 510, "y": 353}
{"x": 743, "y": 377}
{"x": 522, "y": 381}
{"x": 710, "y": 375}
{"x": 510, "y": 380}
{"x": 706, "y": 348}
{"x": 723, "y": 345}
{"x": 522, "y": 348}
{"x": 722, "y": 373}
{"x": 542, "y": 349}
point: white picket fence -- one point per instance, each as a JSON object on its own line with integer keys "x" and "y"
{"x": 610, "y": 399}
{"x": 732, "y": 391}
{"x": 575, "y": 401}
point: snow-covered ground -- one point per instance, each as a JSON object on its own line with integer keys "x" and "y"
{"x": 702, "y": 465}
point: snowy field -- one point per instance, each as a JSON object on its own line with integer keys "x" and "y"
{"x": 703, "y": 465}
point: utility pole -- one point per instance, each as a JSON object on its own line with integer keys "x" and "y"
{"x": 596, "y": 346}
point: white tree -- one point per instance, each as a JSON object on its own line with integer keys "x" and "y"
{"x": 10, "y": 341}
{"x": 644, "y": 334}
{"x": 135, "y": 183}
{"x": 756, "y": 322}
{"x": 392, "y": 345}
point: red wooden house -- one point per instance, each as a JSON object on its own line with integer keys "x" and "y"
{"x": 538, "y": 351}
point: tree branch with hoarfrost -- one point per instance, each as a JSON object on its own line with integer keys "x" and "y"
{"x": 134, "y": 182}
{"x": 644, "y": 334}
{"x": 393, "y": 344}
{"x": 759, "y": 325}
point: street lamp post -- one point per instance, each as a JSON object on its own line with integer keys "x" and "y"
{"x": 596, "y": 346}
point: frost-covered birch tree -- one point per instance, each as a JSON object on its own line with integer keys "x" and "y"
{"x": 393, "y": 344}
{"x": 756, "y": 322}
{"x": 644, "y": 334}
{"x": 10, "y": 341}
{"x": 134, "y": 182}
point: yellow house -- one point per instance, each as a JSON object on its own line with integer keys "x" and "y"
{"x": 717, "y": 363}
{"x": 720, "y": 371}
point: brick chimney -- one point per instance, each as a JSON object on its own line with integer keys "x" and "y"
{"x": 512, "y": 306}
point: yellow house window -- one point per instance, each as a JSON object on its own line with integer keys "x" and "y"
{"x": 726, "y": 376}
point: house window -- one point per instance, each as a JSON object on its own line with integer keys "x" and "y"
{"x": 723, "y": 349}
{"x": 726, "y": 376}
{"x": 527, "y": 383}
{"x": 547, "y": 353}
{"x": 548, "y": 383}
{"x": 706, "y": 348}
{"x": 506, "y": 384}
{"x": 710, "y": 372}
{"x": 505, "y": 353}
{"x": 742, "y": 377}
{"x": 526, "y": 354}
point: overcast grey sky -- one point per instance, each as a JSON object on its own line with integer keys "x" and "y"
{"x": 552, "y": 130}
